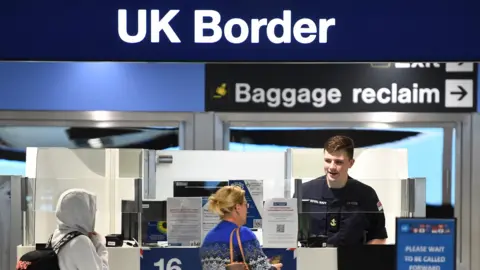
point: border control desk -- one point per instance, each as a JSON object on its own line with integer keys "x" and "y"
{"x": 380, "y": 257}
{"x": 119, "y": 258}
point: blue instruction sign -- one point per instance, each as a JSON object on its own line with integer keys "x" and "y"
{"x": 426, "y": 244}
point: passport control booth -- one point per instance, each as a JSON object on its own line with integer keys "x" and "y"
{"x": 132, "y": 196}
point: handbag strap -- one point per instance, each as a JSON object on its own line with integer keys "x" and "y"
{"x": 241, "y": 248}
{"x": 231, "y": 245}
{"x": 239, "y": 241}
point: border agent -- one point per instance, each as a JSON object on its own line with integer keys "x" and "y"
{"x": 343, "y": 211}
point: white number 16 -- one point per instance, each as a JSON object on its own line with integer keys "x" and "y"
{"x": 172, "y": 264}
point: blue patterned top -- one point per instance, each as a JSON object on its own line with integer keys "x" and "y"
{"x": 215, "y": 250}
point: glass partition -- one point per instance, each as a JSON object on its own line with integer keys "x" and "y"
{"x": 28, "y": 211}
{"x": 364, "y": 208}
{"x": 110, "y": 193}
{"x": 426, "y": 151}
{"x": 126, "y": 208}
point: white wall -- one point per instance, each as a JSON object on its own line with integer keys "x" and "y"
{"x": 222, "y": 166}
{"x": 382, "y": 169}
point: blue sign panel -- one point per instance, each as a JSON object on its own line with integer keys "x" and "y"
{"x": 250, "y": 30}
{"x": 478, "y": 96}
{"x": 157, "y": 87}
{"x": 426, "y": 244}
{"x": 189, "y": 258}
{"x": 254, "y": 196}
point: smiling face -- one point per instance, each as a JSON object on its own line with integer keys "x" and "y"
{"x": 336, "y": 165}
{"x": 338, "y": 158}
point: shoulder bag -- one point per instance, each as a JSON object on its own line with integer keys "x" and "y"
{"x": 236, "y": 265}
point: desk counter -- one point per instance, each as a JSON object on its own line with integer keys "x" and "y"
{"x": 186, "y": 258}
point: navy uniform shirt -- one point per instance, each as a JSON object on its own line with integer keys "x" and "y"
{"x": 346, "y": 216}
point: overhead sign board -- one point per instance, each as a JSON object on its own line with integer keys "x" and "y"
{"x": 424, "y": 243}
{"x": 392, "y": 87}
{"x": 250, "y": 30}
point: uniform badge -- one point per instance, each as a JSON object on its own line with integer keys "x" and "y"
{"x": 333, "y": 222}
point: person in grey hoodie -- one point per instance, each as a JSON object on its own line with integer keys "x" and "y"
{"x": 76, "y": 209}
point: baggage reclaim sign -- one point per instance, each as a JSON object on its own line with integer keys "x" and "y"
{"x": 389, "y": 87}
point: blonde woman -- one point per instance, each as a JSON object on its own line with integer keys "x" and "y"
{"x": 231, "y": 206}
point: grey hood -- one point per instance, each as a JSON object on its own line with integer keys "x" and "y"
{"x": 76, "y": 209}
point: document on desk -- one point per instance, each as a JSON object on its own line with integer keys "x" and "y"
{"x": 280, "y": 223}
{"x": 184, "y": 221}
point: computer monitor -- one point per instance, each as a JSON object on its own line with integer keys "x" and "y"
{"x": 196, "y": 188}
{"x": 154, "y": 221}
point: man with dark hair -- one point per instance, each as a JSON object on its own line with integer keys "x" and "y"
{"x": 343, "y": 211}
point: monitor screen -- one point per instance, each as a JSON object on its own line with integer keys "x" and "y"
{"x": 154, "y": 221}
{"x": 196, "y": 188}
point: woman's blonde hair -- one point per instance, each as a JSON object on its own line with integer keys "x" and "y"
{"x": 225, "y": 199}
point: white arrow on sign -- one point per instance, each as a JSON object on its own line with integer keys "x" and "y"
{"x": 458, "y": 93}
{"x": 459, "y": 67}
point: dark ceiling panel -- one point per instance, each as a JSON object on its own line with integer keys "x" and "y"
{"x": 315, "y": 138}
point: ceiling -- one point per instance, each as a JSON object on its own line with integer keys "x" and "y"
{"x": 22, "y": 137}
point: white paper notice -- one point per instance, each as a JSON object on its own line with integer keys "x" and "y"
{"x": 184, "y": 217}
{"x": 280, "y": 223}
{"x": 209, "y": 219}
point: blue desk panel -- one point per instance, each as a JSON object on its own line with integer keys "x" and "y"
{"x": 188, "y": 258}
